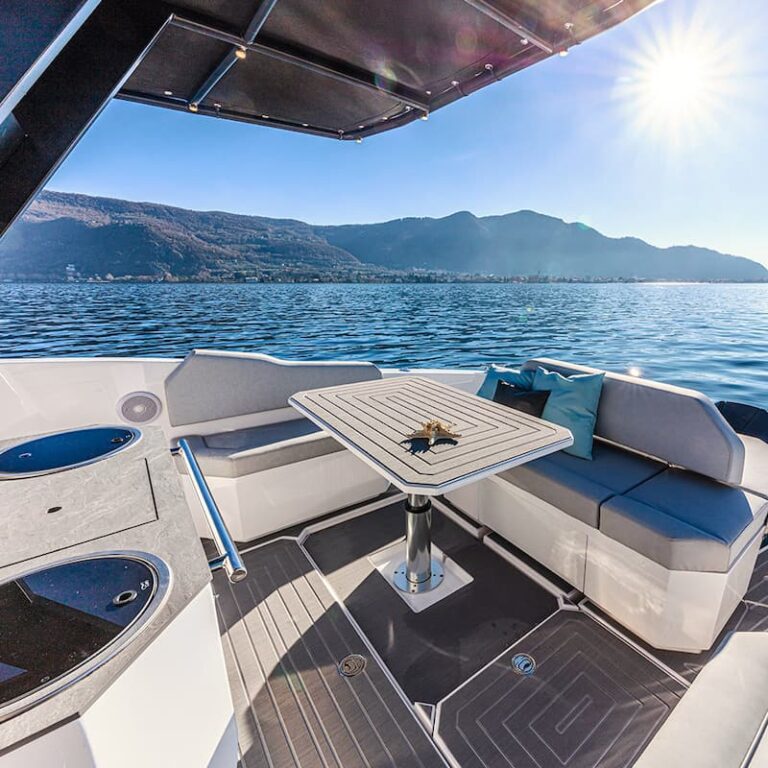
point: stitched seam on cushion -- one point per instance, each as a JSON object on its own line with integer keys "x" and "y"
{"x": 611, "y": 493}
{"x": 663, "y": 468}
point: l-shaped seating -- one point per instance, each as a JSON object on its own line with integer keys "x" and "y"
{"x": 267, "y": 467}
{"x": 661, "y": 529}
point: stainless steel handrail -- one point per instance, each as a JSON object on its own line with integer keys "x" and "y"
{"x": 229, "y": 557}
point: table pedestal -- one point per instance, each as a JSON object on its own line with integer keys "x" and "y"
{"x": 419, "y": 572}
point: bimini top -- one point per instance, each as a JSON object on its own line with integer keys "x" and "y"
{"x": 351, "y": 68}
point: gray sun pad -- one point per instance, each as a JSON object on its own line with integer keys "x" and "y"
{"x": 283, "y": 637}
{"x": 372, "y": 419}
{"x": 591, "y": 702}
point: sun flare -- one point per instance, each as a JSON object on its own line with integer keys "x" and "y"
{"x": 680, "y": 81}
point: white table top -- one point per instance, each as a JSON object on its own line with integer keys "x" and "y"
{"x": 373, "y": 418}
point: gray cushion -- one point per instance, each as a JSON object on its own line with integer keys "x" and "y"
{"x": 245, "y": 451}
{"x": 211, "y": 385}
{"x": 578, "y": 486}
{"x": 722, "y": 716}
{"x": 679, "y": 426}
{"x": 684, "y": 521}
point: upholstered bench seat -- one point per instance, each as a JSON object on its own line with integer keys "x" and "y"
{"x": 247, "y": 451}
{"x": 665, "y": 545}
{"x": 269, "y": 470}
{"x": 579, "y": 487}
{"x": 684, "y": 521}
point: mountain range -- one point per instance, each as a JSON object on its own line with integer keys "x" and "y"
{"x": 103, "y": 237}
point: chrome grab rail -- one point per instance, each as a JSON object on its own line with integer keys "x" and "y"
{"x": 229, "y": 557}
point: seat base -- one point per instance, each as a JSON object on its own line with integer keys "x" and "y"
{"x": 264, "y": 502}
{"x": 555, "y": 539}
{"x": 670, "y": 610}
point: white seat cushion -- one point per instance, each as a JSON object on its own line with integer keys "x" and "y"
{"x": 209, "y": 385}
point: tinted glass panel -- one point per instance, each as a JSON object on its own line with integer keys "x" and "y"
{"x": 54, "y": 620}
{"x": 64, "y": 449}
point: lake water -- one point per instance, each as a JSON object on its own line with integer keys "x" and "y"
{"x": 710, "y": 337}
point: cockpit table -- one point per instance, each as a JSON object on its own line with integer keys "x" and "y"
{"x": 373, "y": 420}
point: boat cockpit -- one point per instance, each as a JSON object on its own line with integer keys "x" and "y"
{"x": 233, "y": 559}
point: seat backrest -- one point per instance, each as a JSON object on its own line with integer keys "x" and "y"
{"x": 211, "y": 385}
{"x": 680, "y": 426}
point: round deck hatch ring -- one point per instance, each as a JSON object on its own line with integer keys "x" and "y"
{"x": 352, "y": 665}
{"x": 523, "y": 664}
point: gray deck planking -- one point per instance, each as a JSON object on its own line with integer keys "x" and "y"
{"x": 283, "y": 636}
{"x": 372, "y": 419}
{"x": 592, "y": 702}
{"x": 432, "y": 652}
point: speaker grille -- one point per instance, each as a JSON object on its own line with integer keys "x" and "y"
{"x": 139, "y": 407}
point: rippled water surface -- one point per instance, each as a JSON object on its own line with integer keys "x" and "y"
{"x": 710, "y": 337}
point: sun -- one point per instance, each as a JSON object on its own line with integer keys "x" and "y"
{"x": 679, "y": 82}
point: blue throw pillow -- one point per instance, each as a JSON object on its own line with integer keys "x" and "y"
{"x": 572, "y": 403}
{"x": 497, "y": 373}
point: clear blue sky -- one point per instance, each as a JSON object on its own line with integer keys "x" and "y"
{"x": 658, "y": 129}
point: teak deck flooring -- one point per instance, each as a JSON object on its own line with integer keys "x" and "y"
{"x": 593, "y": 700}
{"x": 283, "y": 638}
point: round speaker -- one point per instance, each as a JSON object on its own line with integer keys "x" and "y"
{"x": 139, "y": 407}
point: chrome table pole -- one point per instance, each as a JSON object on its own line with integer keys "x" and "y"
{"x": 419, "y": 572}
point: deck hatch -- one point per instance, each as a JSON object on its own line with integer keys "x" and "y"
{"x": 65, "y": 617}
{"x": 65, "y": 511}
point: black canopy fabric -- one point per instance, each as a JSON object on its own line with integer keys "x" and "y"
{"x": 347, "y": 69}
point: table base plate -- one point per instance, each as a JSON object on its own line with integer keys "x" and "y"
{"x": 389, "y": 560}
{"x": 402, "y": 583}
